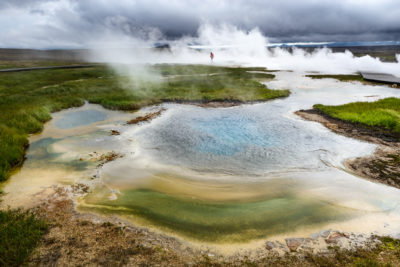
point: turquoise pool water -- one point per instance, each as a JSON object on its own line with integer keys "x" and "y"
{"x": 80, "y": 118}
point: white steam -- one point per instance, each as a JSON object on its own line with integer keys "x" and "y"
{"x": 233, "y": 46}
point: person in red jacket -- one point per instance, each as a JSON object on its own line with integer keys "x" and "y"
{"x": 212, "y": 56}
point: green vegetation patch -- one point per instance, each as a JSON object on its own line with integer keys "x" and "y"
{"x": 20, "y": 231}
{"x": 381, "y": 115}
{"x": 28, "y": 98}
{"x": 12, "y": 64}
{"x": 340, "y": 77}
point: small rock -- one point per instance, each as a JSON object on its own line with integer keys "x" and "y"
{"x": 315, "y": 235}
{"x": 325, "y": 233}
{"x": 281, "y": 245}
{"x": 115, "y": 132}
{"x": 294, "y": 243}
{"x": 334, "y": 238}
{"x": 270, "y": 245}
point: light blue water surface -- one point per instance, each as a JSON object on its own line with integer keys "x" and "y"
{"x": 80, "y": 118}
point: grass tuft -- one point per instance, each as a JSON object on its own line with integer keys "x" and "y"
{"x": 20, "y": 231}
{"x": 340, "y": 77}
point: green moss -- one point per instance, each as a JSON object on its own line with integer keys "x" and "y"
{"x": 340, "y": 77}
{"x": 381, "y": 115}
{"x": 391, "y": 244}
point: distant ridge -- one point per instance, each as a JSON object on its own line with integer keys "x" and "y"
{"x": 47, "y": 68}
{"x": 335, "y": 44}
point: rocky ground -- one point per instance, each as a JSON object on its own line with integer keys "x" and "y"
{"x": 383, "y": 166}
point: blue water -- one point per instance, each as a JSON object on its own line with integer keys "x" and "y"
{"x": 80, "y": 118}
{"x": 228, "y": 135}
{"x": 247, "y": 140}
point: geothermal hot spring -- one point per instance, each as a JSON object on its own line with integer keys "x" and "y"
{"x": 217, "y": 175}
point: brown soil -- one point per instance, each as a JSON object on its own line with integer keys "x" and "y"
{"x": 103, "y": 158}
{"x": 147, "y": 117}
{"x": 76, "y": 239}
{"x": 383, "y": 166}
{"x": 115, "y": 132}
{"x": 110, "y": 156}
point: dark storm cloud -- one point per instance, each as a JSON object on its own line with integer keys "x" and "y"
{"x": 74, "y": 23}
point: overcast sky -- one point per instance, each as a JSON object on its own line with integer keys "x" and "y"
{"x": 79, "y": 23}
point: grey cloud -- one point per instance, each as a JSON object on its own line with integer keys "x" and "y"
{"x": 75, "y": 22}
{"x": 21, "y": 3}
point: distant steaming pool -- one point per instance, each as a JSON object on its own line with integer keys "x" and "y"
{"x": 219, "y": 175}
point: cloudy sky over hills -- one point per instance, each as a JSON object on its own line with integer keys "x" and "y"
{"x": 79, "y": 23}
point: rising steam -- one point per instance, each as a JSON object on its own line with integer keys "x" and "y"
{"x": 231, "y": 47}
